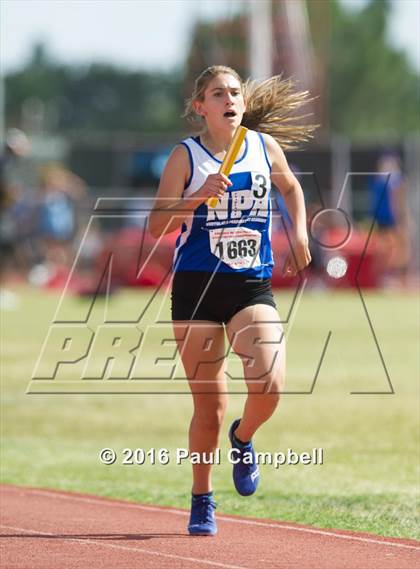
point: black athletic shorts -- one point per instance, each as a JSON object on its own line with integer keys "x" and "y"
{"x": 217, "y": 297}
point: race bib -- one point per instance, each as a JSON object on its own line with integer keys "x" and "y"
{"x": 238, "y": 247}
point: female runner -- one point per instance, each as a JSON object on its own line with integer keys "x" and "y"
{"x": 223, "y": 263}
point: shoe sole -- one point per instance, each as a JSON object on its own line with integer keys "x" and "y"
{"x": 202, "y": 534}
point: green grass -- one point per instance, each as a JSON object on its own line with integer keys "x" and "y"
{"x": 369, "y": 480}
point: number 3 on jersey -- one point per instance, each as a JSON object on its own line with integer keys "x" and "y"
{"x": 259, "y": 186}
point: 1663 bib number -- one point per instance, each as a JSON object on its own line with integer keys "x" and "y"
{"x": 238, "y": 247}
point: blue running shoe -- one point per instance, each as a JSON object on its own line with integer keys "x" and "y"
{"x": 202, "y": 520}
{"x": 246, "y": 474}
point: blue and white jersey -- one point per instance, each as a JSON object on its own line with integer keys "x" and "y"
{"x": 234, "y": 236}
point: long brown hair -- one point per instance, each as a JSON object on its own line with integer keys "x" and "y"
{"x": 271, "y": 106}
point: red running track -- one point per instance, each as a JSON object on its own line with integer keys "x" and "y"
{"x": 48, "y": 529}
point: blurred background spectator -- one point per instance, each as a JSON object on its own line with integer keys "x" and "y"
{"x": 59, "y": 194}
{"x": 390, "y": 212}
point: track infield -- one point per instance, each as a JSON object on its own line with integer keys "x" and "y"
{"x": 49, "y": 529}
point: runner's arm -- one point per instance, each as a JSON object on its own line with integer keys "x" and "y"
{"x": 289, "y": 187}
{"x": 169, "y": 209}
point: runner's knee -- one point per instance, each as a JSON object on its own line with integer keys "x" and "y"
{"x": 269, "y": 383}
{"x": 210, "y": 414}
{"x": 274, "y": 385}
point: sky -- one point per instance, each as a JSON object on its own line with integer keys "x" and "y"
{"x": 147, "y": 34}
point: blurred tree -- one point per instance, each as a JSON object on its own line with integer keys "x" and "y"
{"x": 366, "y": 88}
{"x": 369, "y": 88}
{"x": 98, "y": 97}
{"x": 217, "y": 43}
{"x": 374, "y": 92}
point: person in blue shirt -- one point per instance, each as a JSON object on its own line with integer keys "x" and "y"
{"x": 389, "y": 211}
{"x": 223, "y": 263}
{"x": 60, "y": 192}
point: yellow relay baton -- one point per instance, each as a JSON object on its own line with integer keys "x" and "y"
{"x": 229, "y": 159}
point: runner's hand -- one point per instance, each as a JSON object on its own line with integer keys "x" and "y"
{"x": 214, "y": 187}
{"x": 298, "y": 258}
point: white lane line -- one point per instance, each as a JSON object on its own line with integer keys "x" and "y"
{"x": 37, "y": 533}
{"x": 105, "y": 502}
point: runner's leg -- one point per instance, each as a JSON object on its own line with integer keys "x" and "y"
{"x": 256, "y": 335}
{"x": 201, "y": 345}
